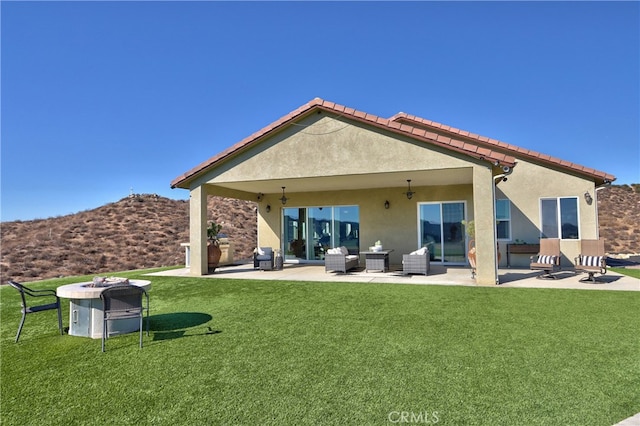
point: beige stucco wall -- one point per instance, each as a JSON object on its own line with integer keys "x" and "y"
{"x": 484, "y": 218}
{"x": 322, "y": 146}
{"x": 525, "y": 187}
{"x": 197, "y": 230}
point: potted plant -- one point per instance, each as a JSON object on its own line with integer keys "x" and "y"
{"x": 213, "y": 246}
{"x": 377, "y": 246}
{"x": 470, "y": 230}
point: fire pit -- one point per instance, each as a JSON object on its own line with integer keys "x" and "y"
{"x": 86, "y": 311}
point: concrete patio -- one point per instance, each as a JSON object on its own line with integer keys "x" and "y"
{"x": 438, "y": 275}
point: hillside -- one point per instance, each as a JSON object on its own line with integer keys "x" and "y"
{"x": 619, "y": 218}
{"x": 145, "y": 231}
{"x": 140, "y": 231}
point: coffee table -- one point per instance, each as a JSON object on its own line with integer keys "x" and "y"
{"x": 376, "y": 260}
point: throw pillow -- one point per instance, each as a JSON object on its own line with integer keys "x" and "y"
{"x": 591, "y": 260}
{"x": 546, "y": 259}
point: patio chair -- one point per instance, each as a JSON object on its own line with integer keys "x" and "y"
{"x": 416, "y": 262}
{"x": 548, "y": 260}
{"x": 26, "y": 309}
{"x": 591, "y": 259}
{"x": 123, "y": 302}
{"x": 263, "y": 258}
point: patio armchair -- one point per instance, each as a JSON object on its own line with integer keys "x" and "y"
{"x": 548, "y": 260}
{"x": 123, "y": 302}
{"x": 26, "y": 294}
{"x": 263, "y": 258}
{"x": 339, "y": 260}
{"x": 416, "y": 262}
{"x": 591, "y": 259}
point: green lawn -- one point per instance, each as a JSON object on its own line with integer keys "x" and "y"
{"x": 293, "y": 353}
{"x": 626, "y": 271}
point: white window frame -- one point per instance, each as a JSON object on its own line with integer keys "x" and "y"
{"x": 508, "y": 219}
{"x": 559, "y": 217}
{"x": 442, "y": 252}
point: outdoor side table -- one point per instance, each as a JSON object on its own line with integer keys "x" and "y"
{"x": 376, "y": 260}
{"x": 521, "y": 249}
{"x": 265, "y": 265}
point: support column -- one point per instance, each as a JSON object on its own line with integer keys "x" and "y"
{"x": 484, "y": 218}
{"x": 198, "y": 230}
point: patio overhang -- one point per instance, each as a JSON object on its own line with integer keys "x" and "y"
{"x": 249, "y": 189}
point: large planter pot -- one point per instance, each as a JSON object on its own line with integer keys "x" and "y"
{"x": 471, "y": 255}
{"x": 213, "y": 255}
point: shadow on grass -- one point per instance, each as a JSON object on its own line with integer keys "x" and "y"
{"x": 175, "y": 325}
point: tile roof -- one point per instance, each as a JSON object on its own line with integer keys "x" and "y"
{"x": 496, "y": 144}
{"x": 480, "y": 147}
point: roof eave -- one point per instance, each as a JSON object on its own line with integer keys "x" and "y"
{"x": 599, "y": 177}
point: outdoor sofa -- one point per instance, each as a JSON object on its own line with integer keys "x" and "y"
{"x": 339, "y": 260}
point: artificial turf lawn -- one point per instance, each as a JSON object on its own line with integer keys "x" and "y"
{"x": 264, "y": 352}
{"x": 635, "y": 273}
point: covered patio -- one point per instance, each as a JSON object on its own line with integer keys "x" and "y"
{"x": 438, "y": 275}
{"x": 327, "y": 176}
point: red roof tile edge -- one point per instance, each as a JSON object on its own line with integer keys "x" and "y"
{"x": 394, "y": 124}
{"x": 516, "y": 150}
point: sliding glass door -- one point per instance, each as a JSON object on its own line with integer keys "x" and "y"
{"x": 309, "y": 232}
{"x": 442, "y": 231}
{"x": 295, "y": 233}
{"x": 321, "y": 227}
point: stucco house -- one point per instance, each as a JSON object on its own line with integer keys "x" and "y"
{"x": 326, "y": 175}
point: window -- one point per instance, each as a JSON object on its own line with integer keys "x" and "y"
{"x": 559, "y": 218}
{"x": 503, "y": 219}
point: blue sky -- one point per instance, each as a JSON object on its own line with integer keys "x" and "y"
{"x": 101, "y": 98}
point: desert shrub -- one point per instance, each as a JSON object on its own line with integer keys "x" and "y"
{"x": 32, "y": 272}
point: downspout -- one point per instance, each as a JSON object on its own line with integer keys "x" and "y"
{"x": 496, "y": 180}
{"x": 595, "y": 200}
{"x": 503, "y": 176}
{"x": 495, "y": 236}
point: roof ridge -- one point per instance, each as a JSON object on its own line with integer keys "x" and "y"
{"x": 375, "y": 120}
{"x": 395, "y": 124}
{"x": 487, "y": 141}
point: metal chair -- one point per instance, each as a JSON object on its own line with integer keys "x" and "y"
{"x": 592, "y": 259}
{"x": 548, "y": 260}
{"x": 26, "y": 309}
{"x": 122, "y": 302}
